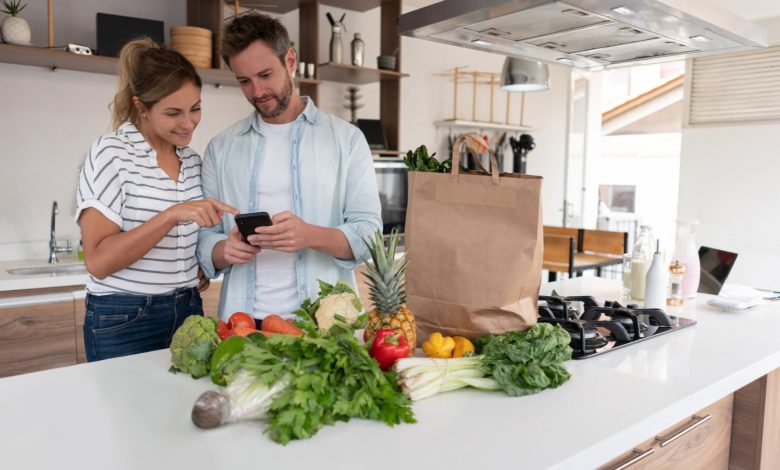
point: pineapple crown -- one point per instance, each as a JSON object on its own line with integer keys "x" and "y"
{"x": 12, "y": 7}
{"x": 387, "y": 287}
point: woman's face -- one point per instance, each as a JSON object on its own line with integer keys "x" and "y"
{"x": 174, "y": 118}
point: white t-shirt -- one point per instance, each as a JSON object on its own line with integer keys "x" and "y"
{"x": 276, "y": 287}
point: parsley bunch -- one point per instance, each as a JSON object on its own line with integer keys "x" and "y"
{"x": 330, "y": 378}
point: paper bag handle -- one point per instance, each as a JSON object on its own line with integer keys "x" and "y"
{"x": 475, "y": 143}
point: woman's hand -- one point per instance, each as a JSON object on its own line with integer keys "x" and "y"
{"x": 203, "y": 281}
{"x": 204, "y": 212}
{"x": 236, "y": 250}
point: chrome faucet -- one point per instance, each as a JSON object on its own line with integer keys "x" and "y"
{"x": 53, "y": 248}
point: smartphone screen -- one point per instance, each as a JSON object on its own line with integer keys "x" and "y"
{"x": 247, "y": 223}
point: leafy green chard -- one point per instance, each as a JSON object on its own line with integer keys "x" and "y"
{"x": 419, "y": 160}
{"x": 529, "y": 361}
{"x": 519, "y": 363}
{"x": 325, "y": 377}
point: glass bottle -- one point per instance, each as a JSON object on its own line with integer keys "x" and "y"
{"x": 357, "y": 50}
{"x": 641, "y": 257}
{"x": 676, "y": 273}
{"x": 687, "y": 253}
{"x": 627, "y": 278}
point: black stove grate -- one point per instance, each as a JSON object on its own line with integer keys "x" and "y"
{"x": 600, "y": 329}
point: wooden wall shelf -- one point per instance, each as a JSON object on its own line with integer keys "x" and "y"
{"x": 358, "y": 75}
{"x": 463, "y": 124}
{"x": 56, "y": 59}
{"x": 285, "y": 6}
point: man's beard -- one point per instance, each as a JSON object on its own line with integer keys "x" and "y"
{"x": 283, "y": 101}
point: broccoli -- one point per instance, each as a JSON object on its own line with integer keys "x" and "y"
{"x": 193, "y": 344}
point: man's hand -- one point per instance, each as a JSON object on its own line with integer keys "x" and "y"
{"x": 288, "y": 234}
{"x": 236, "y": 250}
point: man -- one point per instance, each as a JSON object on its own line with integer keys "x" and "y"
{"x": 310, "y": 170}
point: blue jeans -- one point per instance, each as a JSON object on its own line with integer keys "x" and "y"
{"x": 122, "y": 324}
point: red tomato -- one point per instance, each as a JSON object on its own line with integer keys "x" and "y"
{"x": 224, "y": 330}
{"x": 242, "y": 319}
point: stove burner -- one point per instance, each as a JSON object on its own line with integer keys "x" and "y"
{"x": 593, "y": 339}
{"x": 599, "y": 329}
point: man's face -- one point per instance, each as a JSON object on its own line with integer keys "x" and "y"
{"x": 264, "y": 79}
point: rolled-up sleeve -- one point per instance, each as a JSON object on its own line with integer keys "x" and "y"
{"x": 208, "y": 237}
{"x": 362, "y": 209}
{"x": 99, "y": 184}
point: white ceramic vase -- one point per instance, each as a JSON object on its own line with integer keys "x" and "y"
{"x": 16, "y": 31}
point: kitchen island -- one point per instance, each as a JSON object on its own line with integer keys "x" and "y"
{"x": 131, "y": 413}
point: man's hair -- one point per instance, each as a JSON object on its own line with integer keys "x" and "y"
{"x": 247, "y": 28}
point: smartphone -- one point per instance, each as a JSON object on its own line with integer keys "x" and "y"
{"x": 247, "y": 223}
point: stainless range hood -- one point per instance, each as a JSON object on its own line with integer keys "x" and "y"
{"x": 590, "y": 34}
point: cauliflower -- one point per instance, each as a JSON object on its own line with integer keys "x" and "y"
{"x": 193, "y": 344}
{"x": 343, "y": 304}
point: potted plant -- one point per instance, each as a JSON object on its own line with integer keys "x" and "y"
{"x": 14, "y": 30}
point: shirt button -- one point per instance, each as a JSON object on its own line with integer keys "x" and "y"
{"x": 254, "y": 174}
{"x": 251, "y": 204}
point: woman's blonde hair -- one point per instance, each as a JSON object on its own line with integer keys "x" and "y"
{"x": 150, "y": 72}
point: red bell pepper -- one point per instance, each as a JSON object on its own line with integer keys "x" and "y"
{"x": 389, "y": 346}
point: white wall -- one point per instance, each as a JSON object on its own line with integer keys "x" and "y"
{"x": 49, "y": 119}
{"x": 728, "y": 180}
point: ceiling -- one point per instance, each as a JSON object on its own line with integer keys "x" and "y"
{"x": 750, "y": 9}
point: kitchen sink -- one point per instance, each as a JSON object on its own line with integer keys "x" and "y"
{"x": 51, "y": 269}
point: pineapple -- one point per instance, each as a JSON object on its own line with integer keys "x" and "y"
{"x": 387, "y": 291}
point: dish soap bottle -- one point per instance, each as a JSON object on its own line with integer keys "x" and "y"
{"x": 655, "y": 281}
{"x": 641, "y": 257}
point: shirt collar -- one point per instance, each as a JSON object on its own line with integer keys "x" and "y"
{"x": 310, "y": 114}
{"x": 134, "y": 137}
{"x": 138, "y": 141}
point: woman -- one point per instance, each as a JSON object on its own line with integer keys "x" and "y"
{"x": 140, "y": 206}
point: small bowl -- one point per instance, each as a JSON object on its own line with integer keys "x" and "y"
{"x": 386, "y": 62}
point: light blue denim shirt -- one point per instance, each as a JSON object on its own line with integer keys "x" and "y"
{"x": 333, "y": 185}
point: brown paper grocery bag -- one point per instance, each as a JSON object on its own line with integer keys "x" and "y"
{"x": 474, "y": 242}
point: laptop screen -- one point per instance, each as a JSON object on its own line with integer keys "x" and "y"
{"x": 715, "y": 268}
{"x": 114, "y": 31}
{"x": 374, "y": 132}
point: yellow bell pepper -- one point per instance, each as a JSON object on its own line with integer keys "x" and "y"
{"x": 439, "y": 346}
{"x": 462, "y": 347}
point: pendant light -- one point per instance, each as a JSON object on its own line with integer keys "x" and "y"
{"x": 524, "y": 75}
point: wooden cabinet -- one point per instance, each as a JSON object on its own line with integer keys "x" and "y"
{"x": 211, "y": 299}
{"x": 37, "y": 337}
{"x": 755, "y": 440}
{"x": 699, "y": 442}
{"x": 79, "y": 314}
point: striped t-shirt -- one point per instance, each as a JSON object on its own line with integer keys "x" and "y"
{"x": 121, "y": 179}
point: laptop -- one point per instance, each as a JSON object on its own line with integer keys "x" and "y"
{"x": 374, "y": 132}
{"x": 715, "y": 268}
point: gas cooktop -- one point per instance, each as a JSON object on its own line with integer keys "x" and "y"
{"x": 597, "y": 329}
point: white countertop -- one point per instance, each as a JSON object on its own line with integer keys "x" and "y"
{"x": 130, "y": 413}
